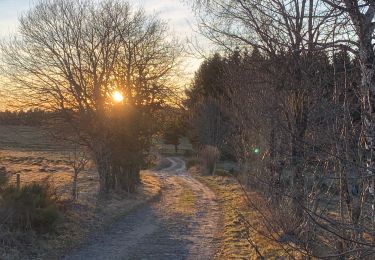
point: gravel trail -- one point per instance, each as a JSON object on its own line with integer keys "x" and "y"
{"x": 164, "y": 229}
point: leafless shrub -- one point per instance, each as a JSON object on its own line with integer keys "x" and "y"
{"x": 209, "y": 155}
{"x": 78, "y": 160}
{"x": 283, "y": 219}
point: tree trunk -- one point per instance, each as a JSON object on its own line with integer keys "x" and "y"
{"x": 127, "y": 177}
{"x": 363, "y": 23}
{"x": 367, "y": 59}
{"x": 75, "y": 187}
{"x": 298, "y": 180}
{"x": 298, "y": 154}
{"x": 274, "y": 186}
{"x": 103, "y": 164}
{"x": 213, "y": 168}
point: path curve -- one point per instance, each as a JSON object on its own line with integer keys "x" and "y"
{"x": 160, "y": 230}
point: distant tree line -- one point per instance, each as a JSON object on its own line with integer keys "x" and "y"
{"x": 31, "y": 117}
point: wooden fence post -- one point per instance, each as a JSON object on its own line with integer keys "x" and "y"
{"x": 18, "y": 181}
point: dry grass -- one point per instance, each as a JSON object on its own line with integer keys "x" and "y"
{"x": 28, "y": 138}
{"x": 87, "y": 215}
{"x": 186, "y": 199}
{"x": 83, "y": 219}
{"x": 29, "y": 152}
{"x": 244, "y": 231}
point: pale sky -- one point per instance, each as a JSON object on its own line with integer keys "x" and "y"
{"x": 179, "y": 17}
{"x": 175, "y": 12}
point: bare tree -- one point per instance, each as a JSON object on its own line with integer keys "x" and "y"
{"x": 71, "y": 55}
{"x": 78, "y": 160}
{"x": 289, "y": 32}
{"x": 300, "y": 111}
{"x": 359, "y": 15}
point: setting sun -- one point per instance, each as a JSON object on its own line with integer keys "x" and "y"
{"x": 117, "y": 96}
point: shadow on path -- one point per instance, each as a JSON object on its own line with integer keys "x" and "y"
{"x": 158, "y": 230}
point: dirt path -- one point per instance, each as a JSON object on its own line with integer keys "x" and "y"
{"x": 183, "y": 224}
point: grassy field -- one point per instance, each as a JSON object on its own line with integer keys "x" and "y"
{"x": 36, "y": 157}
{"x": 29, "y": 138}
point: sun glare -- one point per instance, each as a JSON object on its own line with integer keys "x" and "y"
{"x": 117, "y": 96}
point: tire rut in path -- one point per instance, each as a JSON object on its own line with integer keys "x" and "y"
{"x": 158, "y": 230}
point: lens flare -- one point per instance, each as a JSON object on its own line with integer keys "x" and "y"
{"x": 117, "y": 96}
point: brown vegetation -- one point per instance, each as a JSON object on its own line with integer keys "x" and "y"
{"x": 245, "y": 232}
{"x": 293, "y": 106}
{"x": 209, "y": 155}
{"x": 78, "y": 219}
{"x": 72, "y": 55}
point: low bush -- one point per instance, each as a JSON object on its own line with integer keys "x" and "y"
{"x": 33, "y": 207}
{"x": 209, "y": 155}
{"x": 284, "y": 220}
